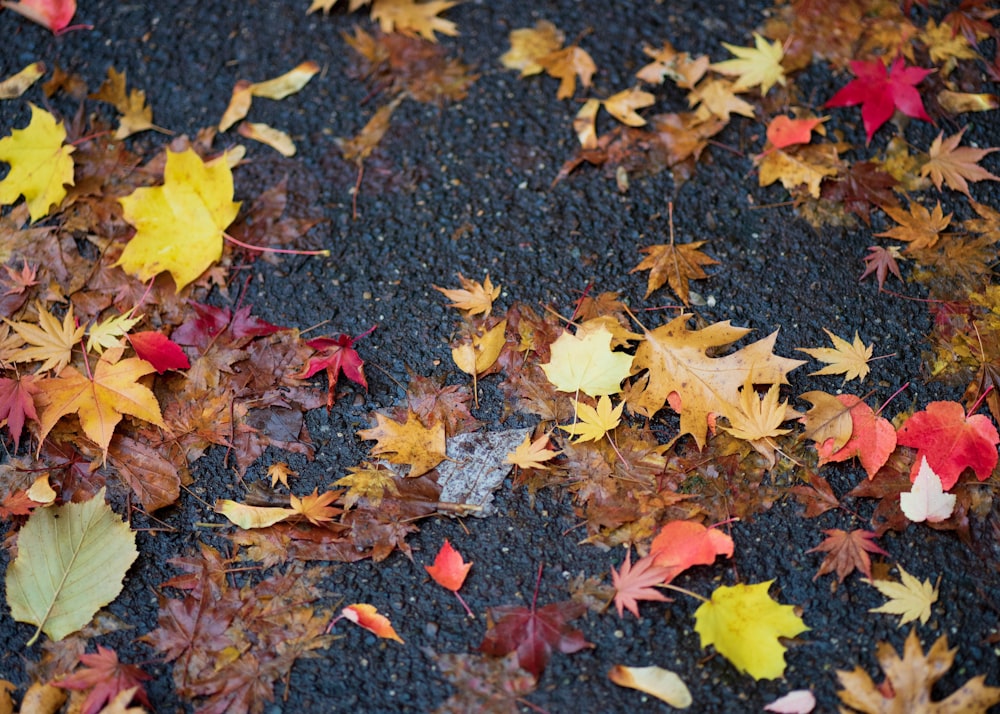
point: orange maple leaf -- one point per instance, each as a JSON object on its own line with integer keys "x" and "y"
{"x": 316, "y": 507}
{"x": 676, "y": 265}
{"x": 474, "y": 298}
{"x": 920, "y": 228}
{"x": 412, "y": 18}
{"x": 566, "y": 65}
{"x": 411, "y": 442}
{"x": 956, "y": 165}
{"x": 449, "y": 571}
{"x": 100, "y": 399}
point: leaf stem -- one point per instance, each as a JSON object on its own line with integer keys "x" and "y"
{"x": 684, "y": 591}
{"x": 325, "y": 252}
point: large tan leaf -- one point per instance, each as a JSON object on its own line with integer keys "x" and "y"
{"x": 70, "y": 563}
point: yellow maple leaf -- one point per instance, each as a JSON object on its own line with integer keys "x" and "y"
{"x": 368, "y": 481}
{"x": 411, "y": 442}
{"x": 179, "y": 225}
{"x": 945, "y": 45}
{"x": 622, "y": 105}
{"x": 280, "y": 471}
{"x": 758, "y": 65}
{"x": 592, "y": 424}
{"x": 474, "y": 298}
{"x": 847, "y": 358}
{"x": 100, "y": 400}
{"x": 909, "y": 598}
{"x": 955, "y": 165}
{"x": 532, "y": 454}
{"x": 808, "y": 165}
{"x": 40, "y": 164}
{"x": 316, "y": 506}
{"x": 566, "y": 65}
{"x": 136, "y": 116}
{"x": 412, "y": 18}
{"x": 586, "y": 363}
{"x": 758, "y": 421}
{"x": 717, "y": 98}
{"x": 529, "y": 44}
{"x": 107, "y": 334}
{"x": 744, "y": 624}
{"x": 51, "y": 342}
{"x": 327, "y": 5}
{"x": 668, "y": 62}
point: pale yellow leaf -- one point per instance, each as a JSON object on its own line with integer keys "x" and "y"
{"x": 51, "y": 342}
{"x": 908, "y": 598}
{"x": 847, "y": 358}
{"x": 592, "y": 424}
{"x": 585, "y": 362}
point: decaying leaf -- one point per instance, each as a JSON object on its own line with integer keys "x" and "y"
{"x": 676, "y": 265}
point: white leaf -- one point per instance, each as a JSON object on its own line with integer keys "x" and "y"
{"x": 926, "y": 500}
{"x": 801, "y": 701}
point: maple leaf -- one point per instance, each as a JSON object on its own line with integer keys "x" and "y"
{"x": 586, "y": 363}
{"x": 682, "y": 544}
{"x": 920, "y": 228}
{"x": 717, "y": 98}
{"x": 622, "y": 105}
{"x": 17, "y": 403}
{"x": 411, "y": 442}
{"x": 592, "y": 424}
{"x": 336, "y": 355}
{"x": 21, "y": 280}
{"x": 757, "y": 420}
{"x": 744, "y": 624}
{"x": 955, "y": 165}
{"x": 53, "y": 14}
{"x": 828, "y": 418}
{"x": 481, "y": 351}
{"x": 327, "y": 5}
{"x": 951, "y": 442}
{"x": 808, "y": 165}
{"x": 412, "y": 18}
{"x": 862, "y": 186}
{"x": 849, "y": 359}
{"x": 873, "y": 438}
{"x": 474, "y": 298}
{"x": 40, "y": 164}
{"x": 316, "y": 507}
{"x": 677, "y": 362}
{"x": 107, "y": 334}
{"x": 566, "y": 65}
{"x": 195, "y": 195}
{"x": 485, "y": 684}
{"x": 105, "y": 677}
{"x": 530, "y": 454}
{"x": 100, "y": 399}
{"x": 675, "y": 264}
{"x": 908, "y": 598}
{"x": 880, "y": 262}
{"x": 449, "y": 571}
{"x": 534, "y": 632}
{"x": 636, "y": 582}
{"x": 51, "y": 342}
{"x": 880, "y": 93}
{"x": 368, "y": 617}
{"x": 529, "y": 44}
{"x": 136, "y": 115}
{"x": 280, "y": 471}
{"x": 159, "y": 350}
{"x": 909, "y": 681}
{"x": 847, "y": 552}
{"x": 758, "y": 65}
{"x": 784, "y": 131}
{"x": 668, "y": 62}
{"x": 945, "y": 45}
{"x": 367, "y": 481}
{"x": 927, "y": 501}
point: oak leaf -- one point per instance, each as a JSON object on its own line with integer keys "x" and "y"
{"x": 909, "y": 598}
{"x": 951, "y": 441}
{"x": 873, "y": 438}
{"x": 51, "y": 342}
{"x": 678, "y": 363}
{"x": 40, "y": 163}
{"x": 676, "y": 265}
{"x": 586, "y": 363}
{"x": 412, "y": 18}
{"x": 100, "y": 399}
{"x": 529, "y": 44}
{"x": 532, "y": 454}
{"x": 909, "y": 681}
{"x": 637, "y": 582}
{"x": 754, "y": 66}
{"x": 105, "y": 677}
{"x": 880, "y": 92}
{"x": 412, "y": 443}
{"x": 956, "y": 165}
{"x": 179, "y": 225}
{"x": 473, "y": 298}
{"x": 847, "y": 552}
{"x": 566, "y": 65}
{"x": 920, "y": 228}
{"x": 927, "y": 501}
{"x": 847, "y": 358}
{"x": 744, "y": 624}
{"x": 591, "y": 423}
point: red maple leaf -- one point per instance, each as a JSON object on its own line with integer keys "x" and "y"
{"x": 872, "y": 438}
{"x": 17, "y": 403}
{"x": 951, "y": 442}
{"x": 533, "y": 633}
{"x": 18, "y": 503}
{"x": 336, "y": 355}
{"x": 449, "y": 571}
{"x": 105, "y": 676}
{"x": 211, "y": 322}
{"x": 637, "y": 582}
{"x": 880, "y": 262}
{"x": 159, "y": 350}
{"x": 880, "y": 93}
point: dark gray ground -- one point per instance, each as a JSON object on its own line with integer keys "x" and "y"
{"x": 489, "y": 161}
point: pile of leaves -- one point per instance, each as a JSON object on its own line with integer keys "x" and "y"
{"x": 121, "y": 367}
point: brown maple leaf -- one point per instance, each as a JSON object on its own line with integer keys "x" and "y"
{"x": 847, "y": 552}
{"x": 409, "y": 443}
{"x": 136, "y": 115}
{"x": 862, "y": 186}
{"x": 880, "y": 262}
{"x": 566, "y": 65}
{"x": 676, "y": 265}
{"x": 955, "y": 165}
{"x": 920, "y": 228}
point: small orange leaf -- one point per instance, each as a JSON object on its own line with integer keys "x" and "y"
{"x": 316, "y": 507}
{"x": 366, "y": 616}
{"x": 449, "y": 570}
{"x": 682, "y": 544}
{"x": 784, "y": 131}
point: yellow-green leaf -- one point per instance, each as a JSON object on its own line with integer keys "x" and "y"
{"x": 40, "y": 164}
{"x": 179, "y": 225}
{"x": 758, "y": 65}
{"x": 744, "y": 624}
{"x": 70, "y": 563}
{"x": 585, "y": 362}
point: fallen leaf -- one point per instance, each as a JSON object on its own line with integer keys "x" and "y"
{"x": 638, "y": 582}
{"x": 920, "y": 228}
{"x": 680, "y": 67}
{"x": 954, "y": 165}
{"x": 829, "y": 419}
{"x": 159, "y": 350}
{"x": 449, "y": 569}
{"x": 484, "y": 684}
{"x": 534, "y": 633}
{"x": 808, "y": 165}
{"x": 413, "y": 18}
{"x": 873, "y": 438}
{"x": 280, "y": 471}
{"x": 17, "y": 84}
{"x": 680, "y": 545}
{"x": 265, "y": 134}
{"x": 757, "y": 420}
{"x": 529, "y": 44}
{"x": 105, "y": 677}
{"x": 287, "y": 84}
{"x": 17, "y": 404}
{"x": 847, "y": 358}
{"x": 676, "y": 265}
{"x": 951, "y": 442}
{"x": 368, "y": 617}
{"x": 477, "y": 465}
{"x": 337, "y": 356}
{"x": 566, "y": 65}
{"x": 316, "y": 507}
{"x": 53, "y": 14}
{"x": 528, "y": 455}
{"x": 847, "y": 552}
{"x": 801, "y": 701}
{"x": 51, "y": 342}
{"x": 136, "y": 116}
{"x": 908, "y": 598}
{"x": 592, "y": 424}
{"x": 421, "y": 447}
{"x": 195, "y": 195}
{"x": 927, "y": 501}
{"x": 70, "y": 562}
{"x": 367, "y": 481}
{"x": 655, "y": 681}
{"x": 880, "y": 262}
{"x": 473, "y": 298}
{"x": 248, "y": 517}
{"x": 585, "y": 362}
{"x": 40, "y": 163}
{"x": 622, "y": 105}
{"x": 784, "y": 131}
{"x": 755, "y": 66}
